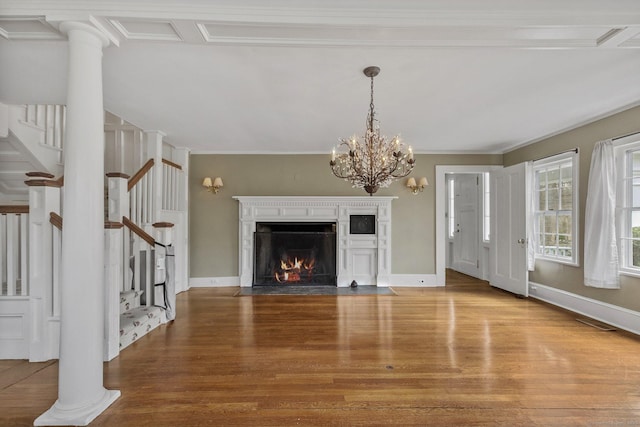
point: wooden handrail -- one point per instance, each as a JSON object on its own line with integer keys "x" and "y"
{"x": 139, "y": 231}
{"x": 14, "y": 209}
{"x": 40, "y": 175}
{"x": 56, "y": 220}
{"x": 138, "y": 175}
{"x": 170, "y": 163}
{"x": 43, "y": 183}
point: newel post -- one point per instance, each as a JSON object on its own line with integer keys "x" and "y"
{"x": 44, "y": 198}
{"x": 113, "y": 285}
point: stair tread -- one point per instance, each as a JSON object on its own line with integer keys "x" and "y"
{"x": 135, "y": 317}
{"x": 129, "y": 299}
{"x": 129, "y": 294}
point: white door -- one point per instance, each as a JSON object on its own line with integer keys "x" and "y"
{"x": 466, "y": 238}
{"x": 508, "y": 255}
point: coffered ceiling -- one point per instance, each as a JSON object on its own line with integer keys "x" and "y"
{"x": 285, "y": 76}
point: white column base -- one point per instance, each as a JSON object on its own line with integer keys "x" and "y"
{"x": 76, "y": 417}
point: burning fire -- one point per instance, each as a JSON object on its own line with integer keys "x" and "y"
{"x": 295, "y": 270}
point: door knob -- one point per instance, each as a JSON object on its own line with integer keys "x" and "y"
{"x": 521, "y": 240}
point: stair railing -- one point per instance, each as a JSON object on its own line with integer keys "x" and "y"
{"x": 14, "y": 246}
{"x": 51, "y": 119}
{"x": 172, "y": 176}
{"x": 141, "y": 201}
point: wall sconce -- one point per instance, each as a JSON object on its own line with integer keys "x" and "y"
{"x": 419, "y": 187}
{"x": 214, "y": 186}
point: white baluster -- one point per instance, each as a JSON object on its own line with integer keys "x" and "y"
{"x": 12, "y": 238}
{"x": 3, "y": 245}
{"x": 56, "y": 259}
{"x": 24, "y": 260}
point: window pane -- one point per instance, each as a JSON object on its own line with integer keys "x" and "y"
{"x": 636, "y": 253}
{"x": 564, "y": 223}
{"x": 549, "y": 224}
{"x": 542, "y": 200}
{"x": 550, "y": 240}
{"x": 635, "y": 224}
{"x": 635, "y": 163}
{"x": 567, "y": 196}
{"x": 542, "y": 180}
{"x": 635, "y": 191}
{"x": 553, "y": 187}
{"x": 566, "y": 187}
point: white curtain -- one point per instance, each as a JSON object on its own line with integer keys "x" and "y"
{"x": 600, "y": 247}
{"x": 532, "y": 224}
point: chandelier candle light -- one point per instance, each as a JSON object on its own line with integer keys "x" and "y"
{"x": 372, "y": 162}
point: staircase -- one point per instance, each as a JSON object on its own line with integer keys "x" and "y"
{"x": 30, "y": 140}
{"x": 136, "y": 320}
{"x": 141, "y": 210}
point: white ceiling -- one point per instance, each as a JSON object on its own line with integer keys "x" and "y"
{"x": 285, "y": 76}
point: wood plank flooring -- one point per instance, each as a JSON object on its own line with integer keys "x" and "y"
{"x": 464, "y": 355}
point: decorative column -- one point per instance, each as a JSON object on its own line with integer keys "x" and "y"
{"x": 81, "y": 395}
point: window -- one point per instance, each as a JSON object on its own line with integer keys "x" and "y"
{"x": 451, "y": 205}
{"x": 486, "y": 207}
{"x": 628, "y": 201}
{"x": 555, "y": 208}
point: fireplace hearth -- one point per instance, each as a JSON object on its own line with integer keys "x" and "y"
{"x": 295, "y": 253}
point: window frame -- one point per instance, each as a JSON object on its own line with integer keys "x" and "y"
{"x": 624, "y": 197}
{"x": 547, "y": 164}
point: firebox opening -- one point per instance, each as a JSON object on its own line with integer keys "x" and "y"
{"x": 295, "y": 253}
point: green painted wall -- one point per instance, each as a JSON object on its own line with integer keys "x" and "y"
{"x": 214, "y": 218}
{"x": 566, "y": 277}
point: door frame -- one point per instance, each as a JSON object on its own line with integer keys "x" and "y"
{"x": 441, "y": 195}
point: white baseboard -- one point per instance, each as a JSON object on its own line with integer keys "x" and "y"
{"x": 414, "y": 280}
{"x": 213, "y": 282}
{"x": 613, "y": 315}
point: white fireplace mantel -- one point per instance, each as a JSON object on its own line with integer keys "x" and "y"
{"x": 365, "y": 258}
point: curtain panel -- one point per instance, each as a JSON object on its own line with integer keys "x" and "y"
{"x": 600, "y": 245}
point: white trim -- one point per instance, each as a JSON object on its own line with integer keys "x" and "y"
{"x": 613, "y": 315}
{"x": 213, "y": 282}
{"x": 441, "y": 193}
{"x": 415, "y": 280}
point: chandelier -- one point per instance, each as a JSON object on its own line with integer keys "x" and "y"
{"x": 373, "y": 161}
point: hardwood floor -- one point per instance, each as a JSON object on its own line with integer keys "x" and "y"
{"x": 463, "y": 355}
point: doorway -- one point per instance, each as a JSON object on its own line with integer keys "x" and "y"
{"x": 465, "y": 228}
{"x": 442, "y": 220}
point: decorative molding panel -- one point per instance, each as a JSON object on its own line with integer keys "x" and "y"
{"x": 365, "y": 258}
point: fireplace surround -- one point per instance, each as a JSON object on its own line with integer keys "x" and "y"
{"x": 363, "y": 250}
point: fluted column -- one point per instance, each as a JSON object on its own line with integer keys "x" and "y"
{"x": 81, "y": 395}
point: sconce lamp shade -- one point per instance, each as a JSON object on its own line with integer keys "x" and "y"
{"x": 419, "y": 187}
{"x": 213, "y": 185}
